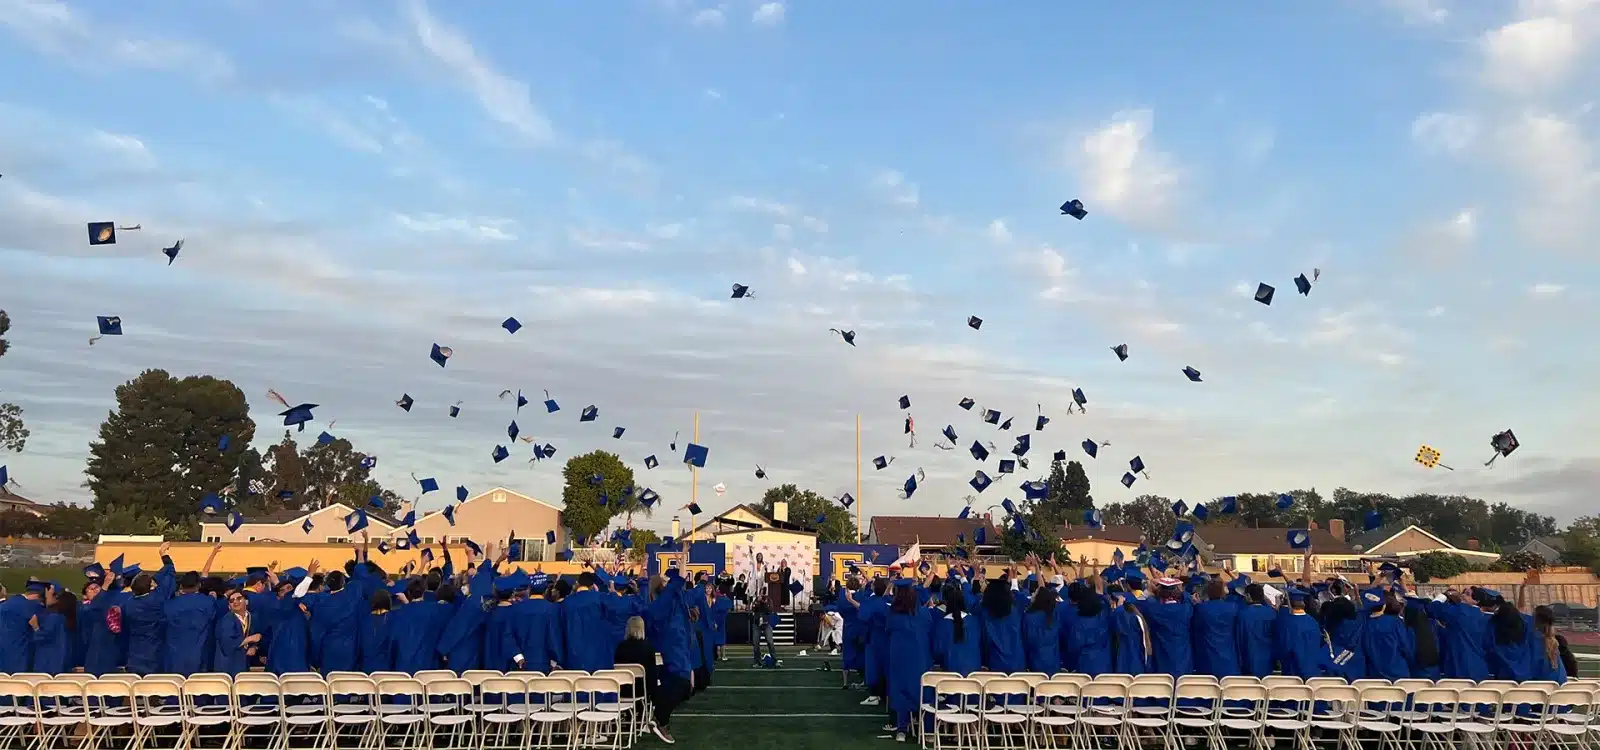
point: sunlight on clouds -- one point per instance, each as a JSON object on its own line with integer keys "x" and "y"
{"x": 1445, "y": 132}
{"x": 1547, "y": 290}
{"x": 769, "y": 14}
{"x": 1124, "y": 174}
{"x": 502, "y": 97}
{"x": 1530, "y": 55}
{"x": 470, "y": 228}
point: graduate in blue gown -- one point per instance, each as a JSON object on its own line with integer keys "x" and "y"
{"x": 1425, "y": 634}
{"x": 907, "y": 627}
{"x": 1462, "y": 626}
{"x": 1169, "y": 615}
{"x": 337, "y": 616}
{"x": 144, "y": 625}
{"x": 956, "y": 638}
{"x": 1506, "y": 644}
{"x": 667, "y": 626}
{"x": 1130, "y": 633}
{"x": 17, "y": 613}
{"x": 720, "y": 607}
{"x": 1086, "y": 633}
{"x": 1041, "y": 632}
{"x": 461, "y": 640}
{"x": 699, "y": 601}
{"x": 539, "y": 626}
{"x": 873, "y": 611}
{"x": 375, "y": 644}
{"x": 236, "y": 640}
{"x": 853, "y": 654}
{"x": 55, "y": 632}
{"x": 1545, "y": 647}
{"x": 1387, "y": 642}
{"x": 587, "y": 646}
{"x": 1253, "y": 632}
{"x": 1002, "y": 629}
{"x": 1300, "y": 643}
{"x": 409, "y": 626}
{"x": 1214, "y": 632}
{"x": 290, "y": 639}
{"x": 1343, "y": 620}
{"x": 102, "y": 649}
{"x": 502, "y": 649}
{"x": 190, "y": 616}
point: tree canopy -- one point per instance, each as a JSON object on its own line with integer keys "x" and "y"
{"x": 13, "y": 434}
{"x": 157, "y": 452}
{"x": 838, "y": 525}
{"x": 583, "y": 513}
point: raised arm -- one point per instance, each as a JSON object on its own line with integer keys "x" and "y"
{"x": 205, "y": 571}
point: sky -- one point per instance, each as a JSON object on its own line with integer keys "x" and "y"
{"x": 355, "y": 182}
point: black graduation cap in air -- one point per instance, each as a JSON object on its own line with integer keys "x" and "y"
{"x": 967, "y": 404}
{"x": 760, "y": 472}
{"x": 102, "y": 233}
{"x": 1128, "y": 480}
{"x": 1041, "y": 421}
{"x": 455, "y": 411}
{"x": 1372, "y": 521}
{"x": 695, "y": 455}
{"x": 512, "y": 430}
{"x": 1024, "y": 443}
{"x": 177, "y": 247}
{"x": 1504, "y": 444}
{"x": 298, "y": 416}
{"x": 911, "y": 484}
{"x": 589, "y": 413}
{"x": 550, "y": 405}
{"x": 905, "y": 402}
{"x": 1074, "y": 208}
{"x": 512, "y": 325}
{"x": 979, "y": 452}
{"x": 439, "y": 354}
{"x": 950, "y": 433}
{"x": 974, "y": 322}
{"x": 1061, "y": 456}
{"x": 740, "y": 291}
{"x": 405, "y": 402}
{"x": 650, "y": 462}
{"x": 500, "y": 453}
{"x": 1007, "y": 466}
{"x": 980, "y": 481}
{"x": 1036, "y": 489}
{"x": 991, "y": 416}
{"x": 1302, "y": 284}
{"x": 1136, "y": 465}
{"x": 1006, "y": 425}
{"x": 109, "y": 325}
{"x": 848, "y": 336}
{"x": 1264, "y": 293}
{"x": 1121, "y": 351}
{"x": 617, "y": 432}
{"x": 1191, "y": 373}
{"x": 881, "y": 462}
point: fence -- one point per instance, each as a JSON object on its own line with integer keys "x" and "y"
{"x": 27, "y": 551}
{"x": 1575, "y": 596}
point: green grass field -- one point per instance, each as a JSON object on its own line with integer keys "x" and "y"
{"x": 794, "y": 707}
{"x": 14, "y": 579}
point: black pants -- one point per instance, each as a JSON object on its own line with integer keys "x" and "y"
{"x": 702, "y": 679}
{"x": 669, "y": 695}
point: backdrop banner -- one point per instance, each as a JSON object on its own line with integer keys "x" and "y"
{"x": 700, "y": 557}
{"x": 870, "y": 559}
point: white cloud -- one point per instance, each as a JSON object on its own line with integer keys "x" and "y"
{"x": 1530, "y": 55}
{"x": 1547, "y": 290}
{"x": 1436, "y": 311}
{"x": 56, "y": 29}
{"x": 503, "y": 98}
{"x": 665, "y": 231}
{"x": 1421, "y": 12}
{"x": 1560, "y": 182}
{"x": 127, "y": 147}
{"x": 998, "y": 232}
{"x": 495, "y": 230}
{"x": 601, "y": 240}
{"x": 782, "y": 232}
{"x": 1059, "y": 276}
{"x": 1124, "y": 175}
{"x": 776, "y": 210}
{"x": 713, "y": 94}
{"x": 896, "y": 188}
{"x": 1362, "y": 332}
{"x": 1445, "y": 132}
{"x": 796, "y": 268}
{"x": 769, "y": 14}
{"x": 708, "y": 18}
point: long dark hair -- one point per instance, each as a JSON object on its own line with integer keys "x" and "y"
{"x": 1509, "y": 629}
{"x": 67, "y": 606}
{"x": 1045, "y": 600}
{"x": 1088, "y": 602}
{"x": 955, "y": 604}
{"x": 1544, "y": 623}
{"x": 905, "y": 600}
{"x": 997, "y": 599}
{"x": 1422, "y": 629}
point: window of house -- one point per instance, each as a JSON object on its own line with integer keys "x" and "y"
{"x": 338, "y": 540}
{"x": 427, "y": 540}
{"x": 252, "y": 539}
{"x": 213, "y": 539}
{"x": 457, "y": 540}
{"x": 532, "y": 550}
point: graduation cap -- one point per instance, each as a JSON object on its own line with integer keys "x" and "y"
{"x": 905, "y": 402}
{"x": 376, "y": 502}
{"x": 1285, "y": 501}
{"x": 512, "y": 325}
{"x": 1038, "y": 424}
{"x": 298, "y": 416}
{"x": 1007, "y": 466}
{"x": 405, "y": 402}
{"x": 429, "y": 484}
{"x": 648, "y": 497}
{"x": 1009, "y": 506}
{"x": 1006, "y": 425}
{"x": 94, "y": 571}
{"x": 795, "y": 587}
{"x": 1128, "y": 479}
{"x": 439, "y": 354}
{"x": 550, "y": 537}
{"x": 1191, "y": 373}
{"x": 1024, "y": 444}
{"x": 1264, "y": 293}
{"x": 234, "y": 521}
{"x": 1136, "y": 465}
{"x": 285, "y": 494}
{"x": 650, "y": 461}
{"x": 674, "y": 444}
{"x": 461, "y": 493}
{"x": 472, "y": 547}
{"x": 550, "y": 405}
{"x": 847, "y": 500}
{"x": 1180, "y": 509}
{"x": 991, "y": 416}
{"x": 965, "y": 512}
{"x": 368, "y": 462}
{"x": 589, "y": 413}
{"x": 499, "y": 453}
{"x": 325, "y": 438}
{"x": 1035, "y": 490}
{"x": 449, "y": 514}
{"x": 1079, "y": 399}
{"x": 1074, "y": 208}
{"x": 1060, "y": 455}
{"x": 307, "y": 526}
{"x": 911, "y": 484}
{"x": 1121, "y": 351}
{"x": 1429, "y": 456}
{"x": 1372, "y": 521}
{"x": 821, "y": 519}
{"x": 740, "y": 291}
{"x": 171, "y": 252}
{"x": 383, "y": 546}
{"x": 1090, "y": 447}
{"x": 512, "y": 430}
{"x": 950, "y": 433}
{"x": 848, "y": 336}
{"x": 1504, "y": 444}
{"x": 980, "y": 481}
{"x": 694, "y": 508}
{"x": 1201, "y": 511}
{"x": 223, "y": 443}
{"x": 979, "y": 452}
{"x": 356, "y": 521}
{"x": 695, "y": 455}
{"x": 547, "y": 451}
{"x": 1302, "y": 284}
{"x": 1299, "y": 539}
{"x": 881, "y": 463}
{"x": 966, "y": 403}
{"x": 109, "y": 325}
{"x": 760, "y": 472}
{"x": 596, "y": 479}
{"x": 102, "y": 233}
{"x": 521, "y": 400}
{"x": 1230, "y": 504}
{"x": 455, "y": 411}
{"x": 616, "y": 433}
{"x": 210, "y": 504}
{"x": 974, "y": 322}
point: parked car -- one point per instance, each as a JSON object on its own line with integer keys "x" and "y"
{"x": 19, "y": 558}
{"x": 53, "y": 559}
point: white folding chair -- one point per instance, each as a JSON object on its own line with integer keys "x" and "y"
{"x": 599, "y": 718}
{"x": 1195, "y": 709}
{"x": 553, "y": 711}
{"x": 258, "y": 701}
{"x": 1431, "y": 719}
{"x": 402, "y": 720}
{"x": 927, "y": 703}
{"x": 107, "y": 705}
{"x": 355, "y": 712}
{"x": 61, "y": 712}
{"x": 1289, "y": 714}
{"x": 1568, "y": 718}
{"x": 1335, "y": 708}
{"x": 502, "y": 717}
{"x": 18, "y": 711}
{"x": 1244, "y": 716}
{"x": 208, "y": 707}
{"x": 450, "y": 725}
{"x": 1056, "y": 724}
{"x": 1382, "y": 710}
{"x": 957, "y": 715}
{"x": 307, "y": 711}
{"x": 1003, "y": 726}
{"x": 628, "y": 702}
{"x": 157, "y": 707}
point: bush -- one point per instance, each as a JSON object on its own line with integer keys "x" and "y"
{"x": 1431, "y": 565}
{"x": 1521, "y": 562}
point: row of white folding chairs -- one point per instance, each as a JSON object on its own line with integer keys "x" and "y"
{"x": 306, "y": 710}
{"x": 1272, "y": 681}
{"x": 1020, "y": 711}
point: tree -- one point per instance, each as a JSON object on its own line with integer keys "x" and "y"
{"x": 334, "y": 473}
{"x": 1521, "y": 562}
{"x": 582, "y": 512}
{"x": 70, "y": 522}
{"x": 1150, "y": 514}
{"x": 837, "y": 527}
{"x": 642, "y": 538}
{"x": 1074, "y": 494}
{"x": 13, "y": 435}
{"x": 1581, "y": 543}
{"x": 283, "y": 468}
{"x": 157, "y": 453}
{"x": 15, "y": 523}
{"x": 1430, "y": 565}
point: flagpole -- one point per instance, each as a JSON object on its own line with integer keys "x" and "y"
{"x": 694, "y": 491}
{"x": 860, "y": 532}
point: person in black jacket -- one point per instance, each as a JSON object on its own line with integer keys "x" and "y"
{"x": 635, "y": 648}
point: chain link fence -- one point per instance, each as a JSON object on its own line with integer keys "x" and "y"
{"x": 31, "y": 553}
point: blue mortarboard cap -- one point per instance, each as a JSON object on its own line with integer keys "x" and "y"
{"x": 376, "y": 501}
{"x": 514, "y": 549}
{"x": 1230, "y": 504}
{"x": 1182, "y": 534}
{"x": 256, "y": 570}
{"x": 116, "y": 565}
{"x": 695, "y": 455}
{"x": 980, "y": 481}
{"x": 1009, "y": 506}
{"x": 132, "y": 571}
{"x": 223, "y": 443}
{"x": 1298, "y": 594}
{"x": 1264, "y": 293}
{"x": 1372, "y": 521}
{"x": 94, "y": 571}
{"x": 461, "y": 493}
{"x": 1128, "y": 479}
{"x": 110, "y": 325}
{"x": 1007, "y": 466}
{"x": 234, "y": 521}
{"x": 979, "y": 452}
{"x": 966, "y": 403}
{"x": 905, "y": 402}
{"x": 414, "y": 538}
{"x": 102, "y": 233}
{"x": 211, "y": 503}
{"x": 472, "y": 546}
{"x": 992, "y": 416}
{"x": 898, "y": 583}
{"x": 410, "y": 518}
{"x": 293, "y": 574}
{"x": 1302, "y": 284}
{"x": 966, "y": 511}
{"x": 369, "y": 462}
{"x": 847, "y": 500}
{"x": 512, "y": 325}
{"x": 1191, "y": 373}
{"x": 405, "y": 402}
{"x": 1024, "y": 444}
{"x": 512, "y": 430}
{"x": 439, "y": 354}
{"x": 429, "y": 484}
{"x": 910, "y": 487}
{"x": 1201, "y": 511}
{"x": 596, "y": 479}
{"x": 1285, "y": 501}
{"x": 1078, "y": 397}
{"x": 881, "y": 462}
{"x": 974, "y": 322}
{"x": 822, "y": 518}
{"x": 1092, "y": 448}
{"x": 547, "y": 451}
{"x": 550, "y": 405}
{"x": 426, "y": 555}
{"x": 325, "y": 438}
{"x": 1006, "y": 425}
{"x": 355, "y": 521}
{"x": 1180, "y": 509}
{"x": 1371, "y": 599}
{"x": 694, "y": 509}
{"x": 740, "y": 291}
{"x": 285, "y": 494}
{"x": 1074, "y": 208}
{"x": 499, "y": 453}
{"x": 39, "y": 587}
{"x": 550, "y": 537}
{"x": 1299, "y": 539}
{"x": 589, "y": 413}
{"x": 449, "y": 514}
{"x": 1036, "y": 489}
{"x": 796, "y": 587}
{"x": 307, "y": 526}
{"x": 298, "y": 416}
{"x": 648, "y": 497}
{"x": 383, "y": 546}
{"x": 1136, "y": 465}
{"x": 1092, "y": 518}
{"x": 455, "y": 411}
{"x": 172, "y": 251}
{"x": 617, "y": 432}
{"x": 1121, "y": 351}
{"x": 650, "y": 461}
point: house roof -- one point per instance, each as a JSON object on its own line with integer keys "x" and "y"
{"x": 1370, "y": 541}
{"x": 1129, "y": 534}
{"x": 1235, "y": 540}
{"x": 15, "y": 499}
{"x": 1557, "y": 543}
{"x": 287, "y": 516}
{"x": 715, "y": 519}
{"x": 423, "y": 515}
{"x": 904, "y": 531}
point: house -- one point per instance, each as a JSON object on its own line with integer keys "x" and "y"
{"x": 10, "y": 501}
{"x": 1547, "y": 547}
{"x": 742, "y": 517}
{"x": 491, "y": 516}
{"x": 938, "y": 534}
{"x": 1410, "y": 540}
{"x": 1100, "y": 545}
{"x": 1257, "y": 550}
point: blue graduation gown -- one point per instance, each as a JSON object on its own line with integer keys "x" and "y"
{"x": 1253, "y": 634}
{"x": 377, "y": 648}
{"x": 962, "y": 657}
{"x": 102, "y": 649}
{"x": 719, "y": 620}
{"x": 1041, "y": 641}
{"x": 1087, "y": 641}
{"x": 16, "y": 635}
{"x": 461, "y": 640}
{"x": 52, "y": 644}
{"x": 704, "y": 630}
{"x": 1215, "y": 638}
{"x": 500, "y": 644}
{"x": 1169, "y": 623}
{"x": 1302, "y": 647}
{"x": 291, "y": 637}
{"x": 1128, "y": 651}
{"x": 1461, "y": 650}
{"x": 910, "y": 655}
{"x": 1346, "y": 636}
{"x": 1545, "y": 668}
{"x": 409, "y": 629}
{"x": 230, "y": 655}
{"x": 539, "y": 632}
{"x": 1002, "y": 642}
{"x": 874, "y": 610}
{"x": 587, "y": 645}
{"x": 1389, "y": 647}
{"x": 667, "y": 627}
{"x": 1510, "y": 661}
{"x": 853, "y": 655}
{"x": 336, "y": 623}
{"x": 144, "y": 624}
{"x": 190, "y": 620}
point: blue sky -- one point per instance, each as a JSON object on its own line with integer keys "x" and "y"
{"x": 355, "y": 182}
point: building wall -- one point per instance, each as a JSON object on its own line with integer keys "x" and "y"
{"x": 236, "y": 557}
{"x": 1099, "y": 551}
{"x": 1410, "y": 540}
{"x": 711, "y": 528}
{"x": 1290, "y": 563}
{"x": 493, "y": 516}
{"x": 327, "y": 523}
